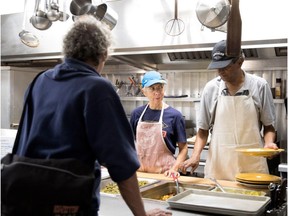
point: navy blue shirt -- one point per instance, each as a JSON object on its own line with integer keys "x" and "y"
{"x": 76, "y": 113}
{"x": 173, "y": 124}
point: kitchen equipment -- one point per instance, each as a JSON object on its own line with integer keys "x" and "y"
{"x": 107, "y": 15}
{"x": 53, "y": 11}
{"x": 219, "y": 203}
{"x": 162, "y": 189}
{"x": 282, "y": 193}
{"x": 175, "y": 26}
{"x": 27, "y": 37}
{"x": 39, "y": 20}
{"x": 213, "y": 13}
{"x": 108, "y": 182}
{"x": 234, "y": 31}
{"x": 272, "y": 188}
{"x": 76, "y": 6}
{"x": 257, "y": 178}
{"x": 175, "y": 179}
{"x": 263, "y": 152}
{"x": 218, "y": 185}
{"x": 63, "y": 16}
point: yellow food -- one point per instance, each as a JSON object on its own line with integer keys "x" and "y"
{"x": 166, "y": 196}
{"x": 112, "y": 188}
{"x": 245, "y": 192}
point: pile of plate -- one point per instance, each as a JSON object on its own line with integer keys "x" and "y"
{"x": 257, "y": 179}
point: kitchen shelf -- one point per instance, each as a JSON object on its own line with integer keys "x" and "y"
{"x": 186, "y": 99}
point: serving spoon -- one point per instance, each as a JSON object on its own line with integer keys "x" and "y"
{"x": 218, "y": 185}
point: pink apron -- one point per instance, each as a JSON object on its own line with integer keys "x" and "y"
{"x": 152, "y": 151}
{"x": 236, "y": 126}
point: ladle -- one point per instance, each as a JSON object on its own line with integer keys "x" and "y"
{"x": 27, "y": 37}
{"x": 218, "y": 185}
{"x": 39, "y": 20}
{"x": 53, "y": 13}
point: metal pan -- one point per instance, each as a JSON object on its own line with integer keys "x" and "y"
{"x": 107, "y": 15}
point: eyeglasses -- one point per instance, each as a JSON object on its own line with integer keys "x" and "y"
{"x": 155, "y": 88}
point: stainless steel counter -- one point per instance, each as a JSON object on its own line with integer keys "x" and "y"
{"x": 116, "y": 206}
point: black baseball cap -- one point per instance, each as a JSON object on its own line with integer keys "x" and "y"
{"x": 219, "y": 57}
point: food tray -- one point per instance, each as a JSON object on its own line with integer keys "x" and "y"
{"x": 219, "y": 203}
{"x": 156, "y": 191}
{"x": 105, "y": 182}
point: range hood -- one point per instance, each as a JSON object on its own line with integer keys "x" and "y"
{"x": 200, "y": 57}
{"x": 143, "y": 43}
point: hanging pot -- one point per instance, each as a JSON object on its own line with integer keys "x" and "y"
{"x": 213, "y": 14}
{"x": 107, "y": 15}
{"x": 77, "y": 7}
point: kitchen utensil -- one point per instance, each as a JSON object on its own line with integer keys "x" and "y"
{"x": 175, "y": 178}
{"x": 234, "y": 31}
{"x": 107, "y": 15}
{"x": 175, "y": 26}
{"x": 218, "y": 185}
{"x": 39, "y": 20}
{"x": 53, "y": 11}
{"x": 213, "y": 13}
{"x": 63, "y": 16}
{"x": 27, "y": 37}
{"x": 263, "y": 152}
{"x": 76, "y": 6}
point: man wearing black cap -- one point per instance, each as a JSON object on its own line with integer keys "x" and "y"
{"x": 234, "y": 107}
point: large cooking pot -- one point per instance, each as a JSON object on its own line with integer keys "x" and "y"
{"x": 79, "y": 7}
{"x": 107, "y": 15}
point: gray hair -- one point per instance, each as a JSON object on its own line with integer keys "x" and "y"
{"x": 88, "y": 39}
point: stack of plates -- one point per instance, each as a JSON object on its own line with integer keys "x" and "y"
{"x": 257, "y": 179}
{"x": 264, "y": 152}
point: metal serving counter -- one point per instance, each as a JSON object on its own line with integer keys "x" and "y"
{"x": 116, "y": 206}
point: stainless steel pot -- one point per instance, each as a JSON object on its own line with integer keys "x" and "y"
{"x": 79, "y": 7}
{"x": 107, "y": 15}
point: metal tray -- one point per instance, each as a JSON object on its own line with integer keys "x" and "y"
{"x": 219, "y": 203}
{"x": 156, "y": 191}
{"x": 105, "y": 182}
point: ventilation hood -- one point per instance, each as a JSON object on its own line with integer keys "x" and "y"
{"x": 262, "y": 54}
{"x": 143, "y": 43}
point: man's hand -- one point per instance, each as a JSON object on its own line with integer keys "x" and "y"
{"x": 158, "y": 212}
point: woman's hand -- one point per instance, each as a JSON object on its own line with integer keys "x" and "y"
{"x": 172, "y": 173}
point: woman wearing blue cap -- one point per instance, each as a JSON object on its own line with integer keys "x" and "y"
{"x": 158, "y": 128}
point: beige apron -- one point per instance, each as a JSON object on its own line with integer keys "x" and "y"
{"x": 235, "y": 126}
{"x": 152, "y": 151}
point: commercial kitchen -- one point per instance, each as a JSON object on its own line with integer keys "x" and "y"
{"x": 175, "y": 38}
